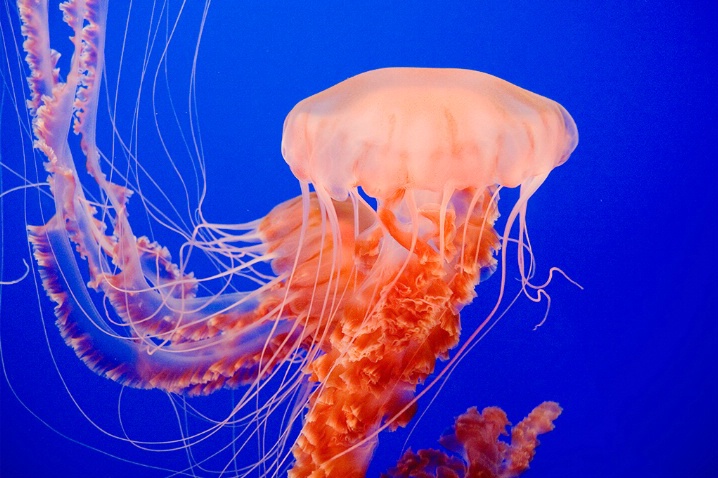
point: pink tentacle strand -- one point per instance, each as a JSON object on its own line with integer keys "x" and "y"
{"x": 162, "y": 319}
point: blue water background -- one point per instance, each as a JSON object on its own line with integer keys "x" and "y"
{"x": 632, "y": 217}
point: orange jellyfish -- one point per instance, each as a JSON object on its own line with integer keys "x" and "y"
{"x": 432, "y": 146}
{"x": 352, "y": 305}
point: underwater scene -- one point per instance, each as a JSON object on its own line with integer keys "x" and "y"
{"x": 347, "y": 239}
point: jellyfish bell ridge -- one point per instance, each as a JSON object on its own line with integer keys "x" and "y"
{"x": 396, "y": 129}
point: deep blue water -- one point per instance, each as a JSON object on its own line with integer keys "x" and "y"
{"x": 632, "y": 217}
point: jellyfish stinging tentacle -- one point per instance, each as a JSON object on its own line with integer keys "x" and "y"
{"x": 236, "y": 336}
{"x": 481, "y": 454}
{"x": 390, "y": 331}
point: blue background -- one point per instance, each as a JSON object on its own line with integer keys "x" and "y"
{"x": 632, "y": 217}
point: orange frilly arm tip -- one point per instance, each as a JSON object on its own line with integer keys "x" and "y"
{"x": 475, "y": 438}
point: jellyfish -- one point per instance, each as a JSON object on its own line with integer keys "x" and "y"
{"x": 432, "y": 146}
{"x": 352, "y": 303}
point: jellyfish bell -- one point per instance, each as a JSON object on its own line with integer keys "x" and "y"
{"x": 397, "y": 129}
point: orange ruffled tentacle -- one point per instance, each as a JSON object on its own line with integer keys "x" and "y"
{"x": 392, "y": 330}
{"x": 475, "y": 438}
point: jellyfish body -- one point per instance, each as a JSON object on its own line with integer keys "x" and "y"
{"x": 360, "y": 302}
{"x": 425, "y": 129}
